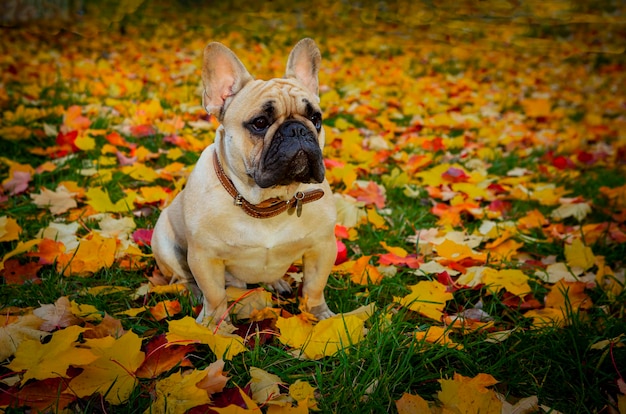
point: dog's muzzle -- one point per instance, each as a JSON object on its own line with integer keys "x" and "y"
{"x": 293, "y": 155}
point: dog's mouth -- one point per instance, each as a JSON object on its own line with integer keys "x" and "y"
{"x": 293, "y": 155}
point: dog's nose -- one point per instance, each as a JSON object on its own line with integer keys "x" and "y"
{"x": 294, "y": 130}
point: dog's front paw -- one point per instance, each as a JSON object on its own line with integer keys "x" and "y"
{"x": 322, "y": 312}
{"x": 281, "y": 287}
{"x": 209, "y": 316}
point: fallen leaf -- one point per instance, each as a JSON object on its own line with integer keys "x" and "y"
{"x": 327, "y": 337}
{"x": 412, "y": 404}
{"x": 57, "y": 202}
{"x": 464, "y": 394}
{"x": 112, "y": 373}
{"x": 178, "y": 393}
{"x": 246, "y": 301}
{"x": 16, "y": 273}
{"x": 9, "y": 229}
{"x": 56, "y": 316}
{"x": 14, "y": 332}
{"x": 187, "y": 330}
{"x": 165, "y": 309}
{"x": 437, "y": 335}
{"x": 513, "y": 280}
{"x": 215, "y": 380}
{"x": 264, "y": 386}
{"x": 50, "y": 360}
{"x": 427, "y": 297}
{"x": 93, "y": 253}
{"x": 44, "y": 396}
{"x": 578, "y": 255}
{"x": 161, "y": 358}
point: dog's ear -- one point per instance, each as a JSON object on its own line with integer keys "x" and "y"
{"x": 304, "y": 64}
{"x": 223, "y": 75}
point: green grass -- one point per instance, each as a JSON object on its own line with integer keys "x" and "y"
{"x": 557, "y": 364}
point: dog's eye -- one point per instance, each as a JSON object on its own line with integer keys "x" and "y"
{"x": 317, "y": 121}
{"x": 260, "y": 124}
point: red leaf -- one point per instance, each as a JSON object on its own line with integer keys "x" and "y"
{"x": 342, "y": 253}
{"x": 68, "y": 139}
{"x": 586, "y": 157}
{"x": 434, "y": 145}
{"x": 562, "y": 162}
{"x": 160, "y": 359}
{"x": 391, "y": 259}
{"x": 144, "y": 130}
{"x": 455, "y": 175}
{"x": 143, "y": 237}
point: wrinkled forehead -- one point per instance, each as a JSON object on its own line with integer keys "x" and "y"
{"x": 277, "y": 98}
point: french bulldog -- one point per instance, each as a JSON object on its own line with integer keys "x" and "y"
{"x": 257, "y": 199}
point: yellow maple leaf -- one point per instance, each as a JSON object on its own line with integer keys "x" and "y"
{"x": 85, "y": 312}
{"x": 187, "y": 330}
{"x": 140, "y": 171}
{"x": 112, "y": 372}
{"x": 325, "y": 338}
{"x": 546, "y": 317}
{"x": 437, "y": 335}
{"x": 99, "y": 199}
{"x": 50, "y": 360}
{"x": 568, "y": 295}
{"x": 427, "y": 297}
{"x": 513, "y": 280}
{"x": 85, "y": 143}
{"x": 303, "y": 393}
{"x": 153, "y": 194}
{"x": 454, "y": 251}
{"x": 376, "y": 219}
{"x": 411, "y": 404}
{"x": 93, "y": 253}
{"x": 9, "y": 229}
{"x": 178, "y": 393}
{"x": 398, "y": 251}
{"x": 579, "y": 255}
{"x": 469, "y": 395}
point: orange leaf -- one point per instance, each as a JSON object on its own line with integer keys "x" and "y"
{"x": 411, "y": 404}
{"x": 165, "y": 309}
{"x": 371, "y": 193}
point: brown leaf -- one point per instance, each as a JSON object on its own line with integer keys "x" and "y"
{"x": 15, "y": 273}
{"x": 41, "y": 395}
{"x": 160, "y": 359}
{"x": 109, "y": 326}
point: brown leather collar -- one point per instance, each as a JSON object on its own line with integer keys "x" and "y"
{"x": 267, "y": 208}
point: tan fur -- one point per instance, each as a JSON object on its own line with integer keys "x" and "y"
{"x": 203, "y": 238}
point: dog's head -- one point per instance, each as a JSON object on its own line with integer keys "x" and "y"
{"x": 272, "y": 129}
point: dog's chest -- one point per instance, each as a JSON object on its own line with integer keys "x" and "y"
{"x": 256, "y": 256}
